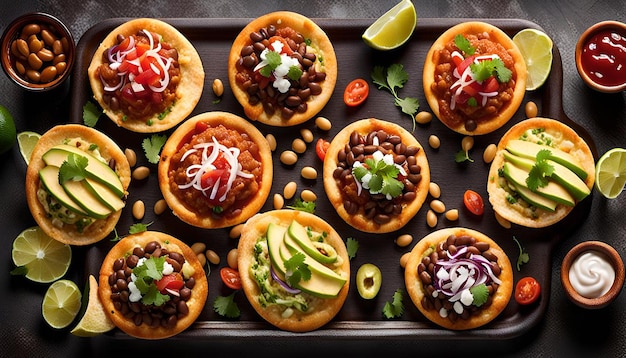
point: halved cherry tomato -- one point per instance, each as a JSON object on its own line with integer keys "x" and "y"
{"x": 172, "y": 281}
{"x": 356, "y": 92}
{"x": 321, "y": 147}
{"x": 491, "y": 85}
{"x": 473, "y": 202}
{"x": 230, "y": 277}
{"x": 527, "y": 291}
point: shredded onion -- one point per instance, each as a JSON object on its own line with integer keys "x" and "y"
{"x": 283, "y": 284}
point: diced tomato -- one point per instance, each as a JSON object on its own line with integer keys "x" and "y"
{"x": 141, "y": 48}
{"x": 156, "y": 97}
{"x": 457, "y": 60}
{"x": 230, "y": 277}
{"x": 464, "y": 64}
{"x": 172, "y": 281}
{"x": 131, "y": 55}
{"x": 472, "y": 89}
{"x": 123, "y": 46}
{"x": 356, "y": 92}
{"x": 210, "y": 179}
{"x": 286, "y": 48}
{"x": 321, "y": 147}
{"x": 473, "y": 202}
{"x": 491, "y": 85}
{"x": 527, "y": 291}
{"x": 147, "y": 78}
{"x": 201, "y": 127}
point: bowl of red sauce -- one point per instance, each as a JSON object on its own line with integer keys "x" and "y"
{"x": 601, "y": 56}
{"x": 592, "y": 274}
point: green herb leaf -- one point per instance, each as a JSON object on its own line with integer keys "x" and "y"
{"x": 380, "y": 78}
{"x": 19, "y": 271}
{"x": 226, "y": 306}
{"x": 154, "y": 297}
{"x": 116, "y": 237}
{"x": 464, "y": 45}
{"x": 296, "y": 270}
{"x": 395, "y": 308}
{"x": 138, "y": 227}
{"x": 294, "y": 73}
{"x": 146, "y": 274}
{"x": 487, "y": 68}
{"x": 73, "y": 168}
{"x": 480, "y": 294}
{"x": 540, "y": 172}
{"x": 352, "y": 245}
{"x": 152, "y": 147}
{"x": 523, "y": 257}
{"x": 91, "y": 114}
{"x": 382, "y": 177}
{"x": 462, "y": 156}
{"x": 273, "y": 60}
{"x": 299, "y": 204}
{"x": 395, "y": 77}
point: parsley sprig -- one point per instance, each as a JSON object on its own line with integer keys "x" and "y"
{"x": 152, "y": 147}
{"x": 539, "y": 174}
{"x": 382, "y": 177}
{"x": 392, "y": 78}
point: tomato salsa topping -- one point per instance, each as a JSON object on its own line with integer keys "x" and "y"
{"x": 280, "y": 70}
{"x": 140, "y": 75}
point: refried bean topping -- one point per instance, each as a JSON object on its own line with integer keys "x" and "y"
{"x": 459, "y": 276}
{"x": 140, "y": 75}
{"x": 378, "y": 175}
{"x": 279, "y": 70}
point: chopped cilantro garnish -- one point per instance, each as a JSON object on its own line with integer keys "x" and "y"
{"x": 273, "y": 60}
{"x": 394, "y": 308}
{"x": 152, "y": 146}
{"x": 462, "y": 156}
{"x": 464, "y": 45}
{"x": 146, "y": 274}
{"x": 352, "y": 245}
{"x": 296, "y": 270}
{"x": 294, "y": 73}
{"x": 487, "y": 68}
{"x": 299, "y": 204}
{"x": 395, "y": 77}
{"x": 540, "y": 172}
{"x": 91, "y": 113}
{"x": 480, "y": 294}
{"x": 138, "y": 227}
{"x": 226, "y": 306}
{"x": 382, "y": 177}
{"x": 523, "y": 257}
{"x": 73, "y": 168}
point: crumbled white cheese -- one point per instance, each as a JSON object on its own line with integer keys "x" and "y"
{"x": 466, "y": 297}
{"x": 135, "y": 294}
{"x": 458, "y": 307}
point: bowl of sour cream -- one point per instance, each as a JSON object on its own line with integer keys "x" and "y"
{"x": 592, "y": 274}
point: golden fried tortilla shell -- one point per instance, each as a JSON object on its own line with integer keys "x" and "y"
{"x": 334, "y": 193}
{"x": 321, "y": 310}
{"x": 124, "y": 248}
{"x": 432, "y": 59}
{"x": 319, "y": 41}
{"x": 498, "y": 196}
{"x": 181, "y": 133}
{"x": 68, "y": 234}
{"x": 416, "y": 289}
{"x": 188, "y": 90}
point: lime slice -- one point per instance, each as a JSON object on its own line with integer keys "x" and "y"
{"x": 611, "y": 173}
{"x": 393, "y": 28}
{"x": 26, "y": 141}
{"x": 61, "y": 303}
{"x": 536, "y": 48}
{"x": 95, "y": 320}
{"x": 7, "y": 130}
{"x": 44, "y": 258}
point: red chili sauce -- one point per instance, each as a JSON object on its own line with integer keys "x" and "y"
{"x": 604, "y": 58}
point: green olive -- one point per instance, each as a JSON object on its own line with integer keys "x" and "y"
{"x": 368, "y": 280}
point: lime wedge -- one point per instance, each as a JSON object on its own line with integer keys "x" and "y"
{"x": 611, "y": 173}
{"x": 27, "y": 141}
{"x": 393, "y": 28}
{"x": 536, "y": 48}
{"x": 61, "y": 303}
{"x": 44, "y": 258}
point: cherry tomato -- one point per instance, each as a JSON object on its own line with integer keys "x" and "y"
{"x": 356, "y": 92}
{"x": 473, "y": 202}
{"x": 321, "y": 147}
{"x": 230, "y": 277}
{"x": 172, "y": 281}
{"x": 527, "y": 291}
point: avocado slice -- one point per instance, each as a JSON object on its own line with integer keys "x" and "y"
{"x": 529, "y": 150}
{"x": 96, "y": 169}
{"x": 552, "y": 191}
{"x": 300, "y": 235}
{"x": 562, "y": 175}
{"x": 77, "y": 190}
{"x": 49, "y": 177}
{"x": 104, "y": 194}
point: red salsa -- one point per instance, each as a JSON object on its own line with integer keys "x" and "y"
{"x": 604, "y": 58}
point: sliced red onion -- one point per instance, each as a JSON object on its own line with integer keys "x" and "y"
{"x": 283, "y": 284}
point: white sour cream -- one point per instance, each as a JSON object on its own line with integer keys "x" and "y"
{"x": 592, "y": 274}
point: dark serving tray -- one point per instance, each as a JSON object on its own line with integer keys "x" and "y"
{"x": 358, "y": 318}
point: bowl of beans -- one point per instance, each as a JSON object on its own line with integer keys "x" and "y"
{"x": 592, "y": 274}
{"x": 601, "y": 56}
{"x": 37, "y": 51}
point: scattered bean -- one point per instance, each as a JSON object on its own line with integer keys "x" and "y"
{"x": 306, "y": 134}
{"x": 431, "y": 218}
{"x": 231, "y": 258}
{"x": 279, "y": 201}
{"x": 423, "y": 117}
{"x": 298, "y": 145}
{"x": 288, "y": 157}
{"x": 438, "y": 206}
{"x": 218, "y": 87}
{"x": 141, "y": 173}
{"x": 308, "y": 195}
{"x": 139, "y": 210}
{"x": 131, "y": 156}
{"x": 467, "y": 143}
{"x": 404, "y": 240}
{"x": 490, "y": 153}
{"x": 160, "y": 206}
{"x": 309, "y": 173}
{"x": 290, "y": 190}
{"x": 198, "y": 247}
{"x": 452, "y": 214}
{"x": 271, "y": 140}
{"x": 531, "y": 109}
{"x": 404, "y": 258}
{"x": 323, "y": 123}
{"x": 434, "y": 190}
{"x": 212, "y": 257}
{"x": 235, "y": 232}
{"x": 201, "y": 258}
{"x": 434, "y": 141}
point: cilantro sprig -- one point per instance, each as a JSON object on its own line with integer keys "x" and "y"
{"x": 487, "y": 68}
{"x": 464, "y": 45}
{"x": 352, "y": 245}
{"x": 226, "y": 306}
{"x": 273, "y": 60}
{"x": 296, "y": 270}
{"x": 394, "y": 78}
{"x": 523, "y": 257}
{"x": 395, "y": 308}
{"x": 146, "y": 275}
{"x": 539, "y": 174}
{"x": 91, "y": 114}
{"x": 74, "y": 168}
{"x": 152, "y": 147}
{"x": 480, "y": 294}
{"x": 302, "y": 205}
{"x": 382, "y": 177}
